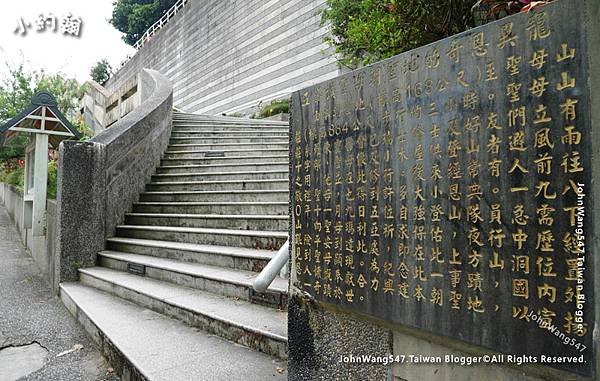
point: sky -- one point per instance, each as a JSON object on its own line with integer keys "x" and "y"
{"x": 54, "y": 51}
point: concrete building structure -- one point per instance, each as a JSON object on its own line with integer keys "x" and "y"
{"x": 228, "y": 56}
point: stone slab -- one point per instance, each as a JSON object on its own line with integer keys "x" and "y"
{"x": 449, "y": 188}
{"x": 160, "y": 347}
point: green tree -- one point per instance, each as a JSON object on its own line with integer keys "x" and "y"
{"x": 101, "y": 71}
{"x": 366, "y": 31}
{"x": 134, "y": 17}
{"x": 16, "y": 92}
{"x": 15, "y": 95}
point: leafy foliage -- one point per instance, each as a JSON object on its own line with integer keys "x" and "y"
{"x": 101, "y": 71}
{"x": 497, "y": 9}
{"x": 274, "y": 108}
{"x": 52, "y": 179}
{"x": 12, "y": 172}
{"x": 366, "y": 31}
{"x": 134, "y": 17}
{"x": 16, "y": 92}
{"x": 15, "y": 95}
{"x": 85, "y": 130}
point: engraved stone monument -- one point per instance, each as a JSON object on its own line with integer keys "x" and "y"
{"x": 449, "y": 188}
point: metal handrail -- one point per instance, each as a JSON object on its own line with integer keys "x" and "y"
{"x": 273, "y": 268}
{"x": 159, "y": 24}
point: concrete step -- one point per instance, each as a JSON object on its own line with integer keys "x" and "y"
{"x": 242, "y": 122}
{"x": 144, "y": 344}
{"x": 222, "y": 256}
{"x": 231, "y": 160}
{"x": 227, "y": 133}
{"x": 254, "y": 326}
{"x": 271, "y": 208}
{"x": 215, "y": 185}
{"x": 185, "y": 126}
{"x": 275, "y": 195}
{"x": 221, "y": 281}
{"x": 220, "y": 176}
{"x": 277, "y": 145}
{"x": 196, "y": 118}
{"x": 204, "y": 119}
{"x": 247, "y": 153}
{"x": 256, "y": 239}
{"x": 217, "y": 221}
{"x": 230, "y": 139}
{"x": 230, "y": 121}
{"x": 241, "y": 167}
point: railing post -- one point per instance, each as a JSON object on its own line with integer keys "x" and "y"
{"x": 159, "y": 24}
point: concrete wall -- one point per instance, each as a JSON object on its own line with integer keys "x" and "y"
{"x": 228, "y": 55}
{"x": 101, "y": 108}
{"x": 44, "y": 253}
{"x": 99, "y": 180}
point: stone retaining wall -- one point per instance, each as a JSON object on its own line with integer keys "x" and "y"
{"x": 227, "y": 56}
{"x": 44, "y": 255}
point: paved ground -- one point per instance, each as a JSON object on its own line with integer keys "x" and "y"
{"x": 34, "y": 325}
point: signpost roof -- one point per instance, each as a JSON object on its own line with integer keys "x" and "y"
{"x": 43, "y": 116}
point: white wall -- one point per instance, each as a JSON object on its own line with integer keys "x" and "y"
{"x": 225, "y": 56}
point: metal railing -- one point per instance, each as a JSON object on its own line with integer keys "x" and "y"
{"x": 159, "y": 24}
{"x": 273, "y": 268}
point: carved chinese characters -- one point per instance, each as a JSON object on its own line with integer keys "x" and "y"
{"x": 445, "y": 188}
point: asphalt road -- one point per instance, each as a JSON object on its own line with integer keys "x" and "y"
{"x": 34, "y": 325}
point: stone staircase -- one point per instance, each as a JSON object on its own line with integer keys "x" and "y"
{"x": 171, "y": 296}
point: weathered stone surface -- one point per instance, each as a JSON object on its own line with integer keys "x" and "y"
{"x": 134, "y": 146}
{"x": 439, "y": 189}
{"x": 99, "y": 180}
{"x": 81, "y": 207}
{"x": 20, "y": 361}
{"x": 34, "y": 326}
{"x": 322, "y": 344}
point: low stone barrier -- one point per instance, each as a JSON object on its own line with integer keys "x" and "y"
{"x": 43, "y": 255}
{"x": 99, "y": 180}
